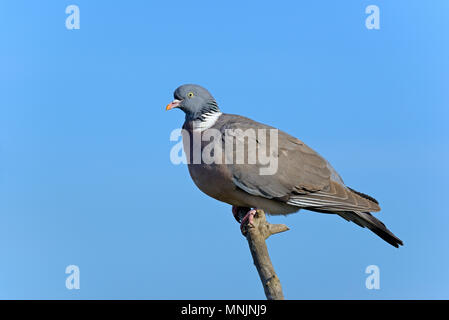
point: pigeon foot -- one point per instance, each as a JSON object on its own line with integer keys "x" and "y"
{"x": 248, "y": 220}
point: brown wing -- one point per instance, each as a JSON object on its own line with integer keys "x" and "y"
{"x": 303, "y": 178}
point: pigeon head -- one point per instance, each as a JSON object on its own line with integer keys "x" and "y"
{"x": 194, "y": 100}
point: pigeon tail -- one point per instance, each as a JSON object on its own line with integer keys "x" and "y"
{"x": 365, "y": 219}
{"x": 364, "y": 195}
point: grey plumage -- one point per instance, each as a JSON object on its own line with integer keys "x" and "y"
{"x": 303, "y": 180}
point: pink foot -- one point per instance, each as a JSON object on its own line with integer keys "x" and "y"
{"x": 248, "y": 219}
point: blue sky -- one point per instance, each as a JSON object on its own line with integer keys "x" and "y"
{"x": 85, "y": 173}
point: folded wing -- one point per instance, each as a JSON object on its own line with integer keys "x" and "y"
{"x": 303, "y": 178}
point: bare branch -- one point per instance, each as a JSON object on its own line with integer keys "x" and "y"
{"x": 256, "y": 234}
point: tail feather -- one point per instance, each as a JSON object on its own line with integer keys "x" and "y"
{"x": 365, "y": 219}
{"x": 364, "y": 195}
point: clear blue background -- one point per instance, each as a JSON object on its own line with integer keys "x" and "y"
{"x": 85, "y": 174}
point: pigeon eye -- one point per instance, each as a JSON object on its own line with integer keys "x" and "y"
{"x": 190, "y": 94}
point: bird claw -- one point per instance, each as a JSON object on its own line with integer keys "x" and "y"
{"x": 248, "y": 221}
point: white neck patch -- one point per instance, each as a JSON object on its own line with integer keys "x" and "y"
{"x": 209, "y": 120}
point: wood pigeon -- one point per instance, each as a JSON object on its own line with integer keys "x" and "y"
{"x": 301, "y": 178}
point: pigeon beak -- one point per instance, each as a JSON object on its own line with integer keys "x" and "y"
{"x": 174, "y": 104}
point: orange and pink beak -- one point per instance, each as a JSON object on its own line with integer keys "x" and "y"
{"x": 174, "y": 104}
